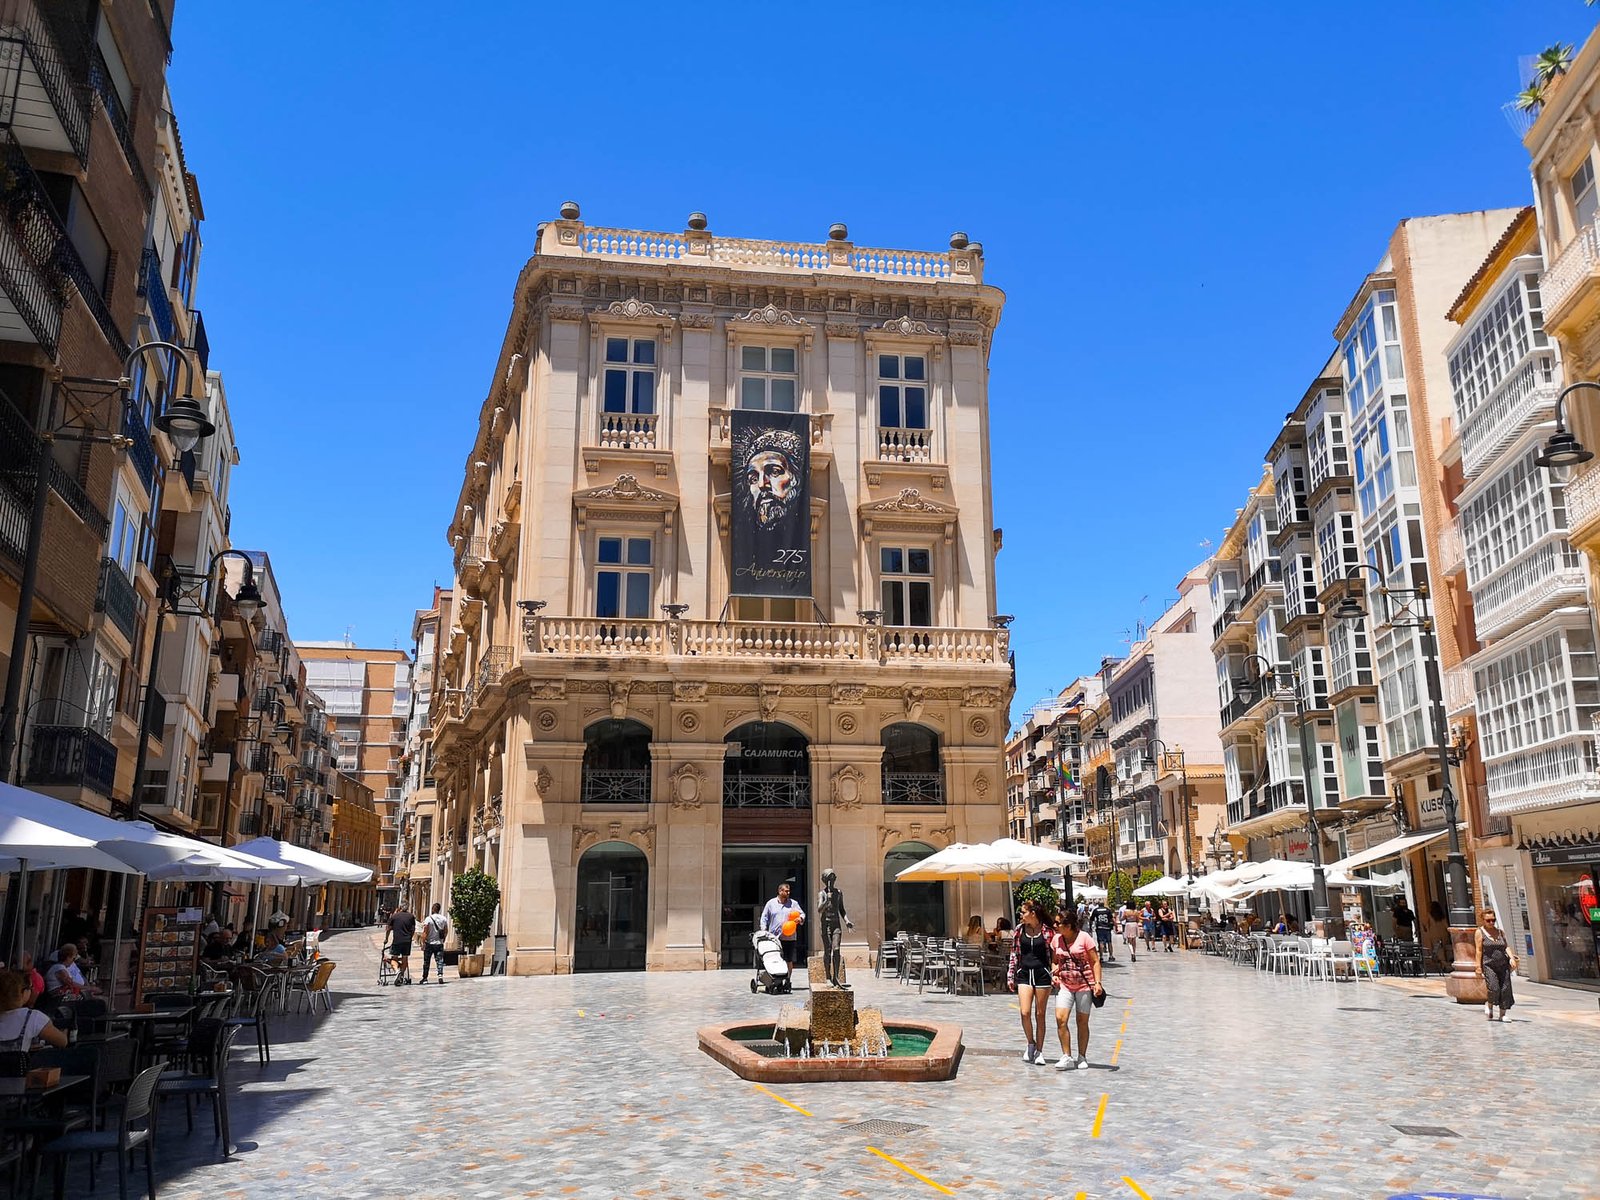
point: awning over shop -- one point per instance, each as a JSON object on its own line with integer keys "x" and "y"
{"x": 1389, "y": 849}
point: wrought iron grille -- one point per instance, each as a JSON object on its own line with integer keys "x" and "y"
{"x": 766, "y": 791}
{"x": 912, "y": 787}
{"x": 116, "y": 598}
{"x": 616, "y": 787}
{"x": 72, "y": 756}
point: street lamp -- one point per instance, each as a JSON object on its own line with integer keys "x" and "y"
{"x": 1063, "y": 744}
{"x": 1562, "y": 450}
{"x": 1149, "y": 762}
{"x": 1408, "y": 609}
{"x": 184, "y": 422}
{"x": 1264, "y": 673}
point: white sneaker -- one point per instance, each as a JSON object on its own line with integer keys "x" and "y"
{"x": 1027, "y": 1055}
{"x": 1083, "y": 1063}
{"x": 1064, "y": 1062}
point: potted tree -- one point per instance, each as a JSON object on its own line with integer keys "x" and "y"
{"x": 473, "y": 899}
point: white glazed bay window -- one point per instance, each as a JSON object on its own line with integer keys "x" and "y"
{"x": 1493, "y": 346}
{"x": 1536, "y": 707}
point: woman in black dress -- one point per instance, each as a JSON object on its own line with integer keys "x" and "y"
{"x": 1495, "y": 964}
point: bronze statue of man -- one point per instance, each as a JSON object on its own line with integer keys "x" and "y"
{"x": 830, "y": 911}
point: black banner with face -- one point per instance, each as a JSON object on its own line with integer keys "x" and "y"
{"x": 771, "y": 470}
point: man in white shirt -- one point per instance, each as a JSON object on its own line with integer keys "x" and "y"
{"x": 434, "y": 927}
{"x": 775, "y": 916}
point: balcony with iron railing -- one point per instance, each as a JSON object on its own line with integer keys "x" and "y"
{"x": 141, "y": 450}
{"x": 620, "y": 787}
{"x": 38, "y": 261}
{"x": 153, "y": 287}
{"x": 71, "y": 756}
{"x": 1268, "y": 574}
{"x": 20, "y": 448}
{"x": 43, "y": 103}
{"x": 1525, "y": 397}
{"x": 913, "y": 787}
{"x": 1227, "y": 618}
{"x": 766, "y": 791}
{"x": 105, "y": 91}
{"x": 116, "y": 598}
{"x": 1541, "y": 578}
{"x": 201, "y": 343}
{"x": 278, "y": 785}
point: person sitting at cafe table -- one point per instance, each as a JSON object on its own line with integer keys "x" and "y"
{"x": 64, "y": 981}
{"x": 219, "y": 945}
{"x": 1405, "y": 921}
{"x": 21, "y": 1025}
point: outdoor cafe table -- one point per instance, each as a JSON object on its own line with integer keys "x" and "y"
{"x": 17, "y": 1087}
{"x": 141, "y": 1025}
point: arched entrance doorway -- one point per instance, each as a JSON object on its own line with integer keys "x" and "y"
{"x": 612, "y": 928}
{"x": 913, "y": 907}
{"x": 766, "y": 827}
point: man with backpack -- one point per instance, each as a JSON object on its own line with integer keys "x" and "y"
{"x": 434, "y": 928}
{"x": 1101, "y": 919}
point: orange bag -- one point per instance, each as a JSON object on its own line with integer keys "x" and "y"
{"x": 791, "y": 924}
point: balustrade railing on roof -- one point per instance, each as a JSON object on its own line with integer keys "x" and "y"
{"x": 768, "y": 255}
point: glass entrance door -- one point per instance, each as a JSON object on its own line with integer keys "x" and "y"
{"x": 613, "y": 915}
{"x": 750, "y": 877}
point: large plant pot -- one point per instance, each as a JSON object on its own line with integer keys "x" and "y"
{"x": 470, "y": 966}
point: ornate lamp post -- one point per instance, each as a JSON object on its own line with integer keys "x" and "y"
{"x": 1408, "y": 609}
{"x": 1151, "y": 748}
{"x": 1264, "y": 675}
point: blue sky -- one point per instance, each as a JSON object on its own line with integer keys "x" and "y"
{"x": 1178, "y": 200}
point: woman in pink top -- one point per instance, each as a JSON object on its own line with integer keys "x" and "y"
{"x": 1077, "y": 971}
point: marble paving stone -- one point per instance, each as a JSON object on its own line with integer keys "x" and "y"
{"x": 1227, "y": 1083}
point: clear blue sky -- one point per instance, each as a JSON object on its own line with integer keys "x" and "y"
{"x": 1178, "y": 200}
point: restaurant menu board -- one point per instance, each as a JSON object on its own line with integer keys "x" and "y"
{"x": 169, "y": 951}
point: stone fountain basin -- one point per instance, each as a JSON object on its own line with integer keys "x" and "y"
{"x": 730, "y": 1045}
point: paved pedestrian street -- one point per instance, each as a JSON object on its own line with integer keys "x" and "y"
{"x": 1209, "y": 1080}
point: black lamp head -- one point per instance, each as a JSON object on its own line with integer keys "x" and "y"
{"x": 185, "y": 422}
{"x": 1348, "y": 609}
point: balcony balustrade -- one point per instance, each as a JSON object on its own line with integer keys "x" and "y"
{"x": 915, "y": 787}
{"x": 278, "y": 785}
{"x": 766, "y": 791}
{"x": 153, "y": 287}
{"x": 202, "y": 343}
{"x": 105, "y": 91}
{"x": 628, "y": 787}
{"x": 1268, "y": 574}
{"x": 1230, "y": 614}
{"x": 1569, "y": 271}
{"x": 116, "y": 598}
{"x": 1526, "y": 396}
{"x": 584, "y": 636}
{"x": 628, "y": 431}
{"x": 1540, "y": 579}
{"x": 1583, "y": 499}
{"x": 905, "y": 445}
{"x": 250, "y": 823}
{"x": 20, "y": 447}
{"x": 72, "y": 756}
{"x": 31, "y": 59}
{"x": 142, "y": 451}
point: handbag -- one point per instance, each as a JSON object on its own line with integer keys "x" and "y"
{"x": 1098, "y": 999}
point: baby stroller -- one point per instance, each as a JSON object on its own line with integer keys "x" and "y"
{"x": 387, "y": 967}
{"x": 772, "y": 972}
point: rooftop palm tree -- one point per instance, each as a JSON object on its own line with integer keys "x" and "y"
{"x": 1531, "y": 98}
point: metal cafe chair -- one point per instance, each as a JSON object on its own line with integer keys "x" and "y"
{"x": 122, "y": 1140}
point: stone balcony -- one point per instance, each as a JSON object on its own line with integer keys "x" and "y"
{"x": 1583, "y": 504}
{"x": 1565, "y": 286}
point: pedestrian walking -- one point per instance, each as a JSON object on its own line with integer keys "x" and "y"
{"x": 1147, "y": 922}
{"x": 1169, "y": 924}
{"x": 1495, "y": 964}
{"x": 1031, "y": 974}
{"x": 1131, "y": 928}
{"x": 782, "y": 917}
{"x": 1077, "y": 974}
{"x": 402, "y": 928}
{"x": 1101, "y": 919}
{"x": 434, "y": 928}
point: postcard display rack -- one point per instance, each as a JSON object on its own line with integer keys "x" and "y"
{"x": 169, "y": 951}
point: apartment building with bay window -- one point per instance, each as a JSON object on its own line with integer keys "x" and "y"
{"x": 724, "y": 601}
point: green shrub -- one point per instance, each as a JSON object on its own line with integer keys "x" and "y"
{"x": 1039, "y": 890}
{"x": 473, "y": 899}
{"x": 1119, "y": 888}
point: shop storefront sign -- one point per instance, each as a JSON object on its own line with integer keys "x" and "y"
{"x": 1567, "y": 856}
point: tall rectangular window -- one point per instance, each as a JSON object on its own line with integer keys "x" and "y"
{"x": 630, "y": 375}
{"x": 622, "y": 582}
{"x": 907, "y": 577}
{"x": 1583, "y": 192}
{"x": 769, "y": 378}
{"x": 902, "y": 391}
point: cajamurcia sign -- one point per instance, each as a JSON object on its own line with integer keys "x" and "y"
{"x": 771, "y": 536}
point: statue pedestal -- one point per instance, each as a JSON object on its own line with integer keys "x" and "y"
{"x": 818, "y": 975}
{"x": 833, "y": 1015}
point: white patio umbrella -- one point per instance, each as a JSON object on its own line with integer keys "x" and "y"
{"x": 312, "y": 868}
{"x": 1089, "y": 891}
{"x": 1165, "y": 886}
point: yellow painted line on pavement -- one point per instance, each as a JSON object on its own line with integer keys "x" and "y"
{"x": 1100, "y": 1116}
{"x": 1116, "y": 1050}
{"x": 938, "y": 1187}
{"x": 1137, "y": 1190}
{"x": 781, "y": 1100}
{"x": 1081, "y": 1196}
{"x": 1124, "y": 1028}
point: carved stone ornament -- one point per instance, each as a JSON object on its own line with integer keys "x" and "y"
{"x": 619, "y": 689}
{"x": 696, "y": 320}
{"x": 688, "y": 722}
{"x": 543, "y": 782}
{"x": 773, "y": 315}
{"x": 980, "y": 697}
{"x": 846, "y": 723}
{"x": 634, "y": 309}
{"x": 966, "y": 337}
{"x": 841, "y": 329}
{"x": 547, "y": 719}
{"x": 689, "y": 691}
{"x": 583, "y": 837}
{"x": 910, "y": 500}
{"x": 556, "y": 690}
{"x": 847, "y": 781}
{"x": 914, "y": 697}
{"x": 888, "y": 837}
{"x": 688, "y": 787}
{"x": 849, "y": 693}
{"x": 907, "y": 327}
{"x": 644, "y": 837}
{"x": 943, "y": 834}
{"x": 980, "y": 784}
{"x": 979, "y": 726}
{"x": 770, "y": 692}
{"x": 565, "y": 312}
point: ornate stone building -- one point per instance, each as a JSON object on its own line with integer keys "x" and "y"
{"x": 641, "y": 755}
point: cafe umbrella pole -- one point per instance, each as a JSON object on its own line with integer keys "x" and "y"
{"x": 116, "y": 943}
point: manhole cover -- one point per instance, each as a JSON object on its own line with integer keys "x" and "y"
{"x": 1352, "y": 1009}
{"x": 877, "y": 1128}
{"x": 1435, "y": 1131}
{"x": 939, "y": 1002}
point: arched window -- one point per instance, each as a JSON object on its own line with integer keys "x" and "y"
{"x": 912, "y": 773}
{"x": 911, "y": 907}
{"x": 616, "y": 763}
{"x": 768, "y": 765}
